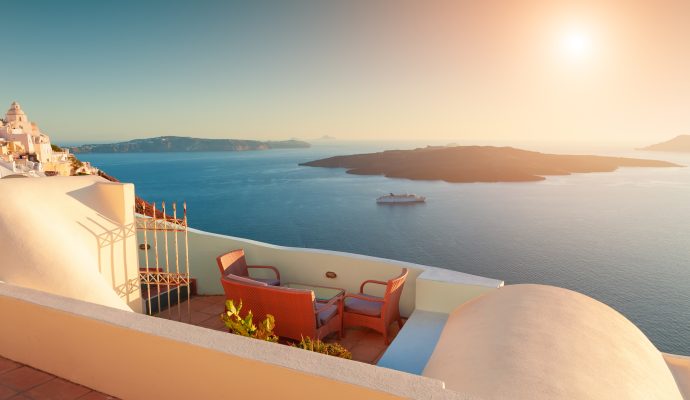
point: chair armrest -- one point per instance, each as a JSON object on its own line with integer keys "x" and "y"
{"x": 266, "y": 267}
{"x": 361, "y": 287}
{"x": 366, "y": 298}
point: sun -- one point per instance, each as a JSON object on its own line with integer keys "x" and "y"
{"x": 576, "y": 44}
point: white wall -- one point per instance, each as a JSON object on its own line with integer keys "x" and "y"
{"x": 72, "y": 236}
{"x": 310, "y": 266}
{"x": 135, "y": 356}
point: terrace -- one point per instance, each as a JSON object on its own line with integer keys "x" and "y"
{"x": 84, "y": 318}
{"x": 365, "y": 345}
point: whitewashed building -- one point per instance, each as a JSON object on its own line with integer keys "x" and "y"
{"x": 17, "y": 128}
{"x": 25, "y": 150}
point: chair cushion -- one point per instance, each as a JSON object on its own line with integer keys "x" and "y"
{"x": 268, "y": 281}
{"x": 326, "y": 315}
{"x": 358, "y": 306}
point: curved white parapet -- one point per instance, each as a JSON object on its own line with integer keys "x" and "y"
{"x": 429, "y": 288}
{"x": 543, "y": 342}
{"x": 134, "y": 356}
{"x": 71, "y": 236}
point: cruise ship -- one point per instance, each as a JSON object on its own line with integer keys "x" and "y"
{"x": 400, "y": 199}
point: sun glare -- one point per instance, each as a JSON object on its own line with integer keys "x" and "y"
{"x": 576, "y": 44}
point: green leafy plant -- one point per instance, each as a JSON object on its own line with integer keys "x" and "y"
{"x": 317, "y": 346}
{"x": 75, "y": 163}
{"x": 244, "y": 326}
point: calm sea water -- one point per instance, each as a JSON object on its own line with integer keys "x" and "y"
{"x": 622, "y": 237}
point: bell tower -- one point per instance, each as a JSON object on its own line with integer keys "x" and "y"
{"x": 15, "y": 114}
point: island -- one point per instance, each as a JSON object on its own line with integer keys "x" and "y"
{"x": 163, "y": 144}
{"x": 679, "y": 144}
{"x": 466, "y": 164}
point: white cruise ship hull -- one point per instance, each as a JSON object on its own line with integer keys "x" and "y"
{"x": 400, "y": 199}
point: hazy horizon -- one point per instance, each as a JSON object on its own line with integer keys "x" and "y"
{"x": 483, "y": 72}
{"x": 623, "y": 148}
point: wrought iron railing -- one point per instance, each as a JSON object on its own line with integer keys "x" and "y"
{"x": 161, "y": 272}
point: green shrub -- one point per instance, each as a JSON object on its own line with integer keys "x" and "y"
{"x": 317, "y": 346}
{"x": 76, "y": 163}
{"x": 245, "y": 326}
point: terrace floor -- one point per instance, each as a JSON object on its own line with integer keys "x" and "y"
{"x": 18, "y": 381}
{"x": 365, "y": 345}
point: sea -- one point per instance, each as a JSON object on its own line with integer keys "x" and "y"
{"x": 621, "y": 237}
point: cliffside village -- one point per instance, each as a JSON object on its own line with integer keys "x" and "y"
{"x": 26, "y": 151}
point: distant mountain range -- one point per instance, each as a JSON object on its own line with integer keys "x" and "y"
{"x": 164, "y": 144}
{"x": 477, "y": 164}
{"x": 680, "y": 144}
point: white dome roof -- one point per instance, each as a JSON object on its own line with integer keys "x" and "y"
{"x": 15, "y": 109}
{"x": 544, "y": 342}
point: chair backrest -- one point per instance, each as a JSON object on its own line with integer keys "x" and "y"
{"x": 244, "y": 280}
{"x": 233, "y": 262}
{"x": 293, "y": 309}
{"x": 394, "y": 288}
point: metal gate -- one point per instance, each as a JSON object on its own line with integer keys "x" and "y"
{"x": 164, "y": 275}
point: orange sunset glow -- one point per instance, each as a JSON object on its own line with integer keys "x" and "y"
{"x": 353, "y": 199}
{"x": 538, "y": 70}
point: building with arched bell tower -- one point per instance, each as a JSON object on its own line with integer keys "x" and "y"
{"x": 24, "y": 135}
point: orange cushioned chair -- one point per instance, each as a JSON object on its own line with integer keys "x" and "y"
{"x": 374, "y": 312}
{"x": 296, "y": 312}
{"x": 235, "y": 263}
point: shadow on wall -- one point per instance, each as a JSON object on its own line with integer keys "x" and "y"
{"x": 115, "y": 239}
{"x": 108, "y": 242}
{"x": 100, "y": 198}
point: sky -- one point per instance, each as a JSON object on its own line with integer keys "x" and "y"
{"x": 483, "y": 71}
